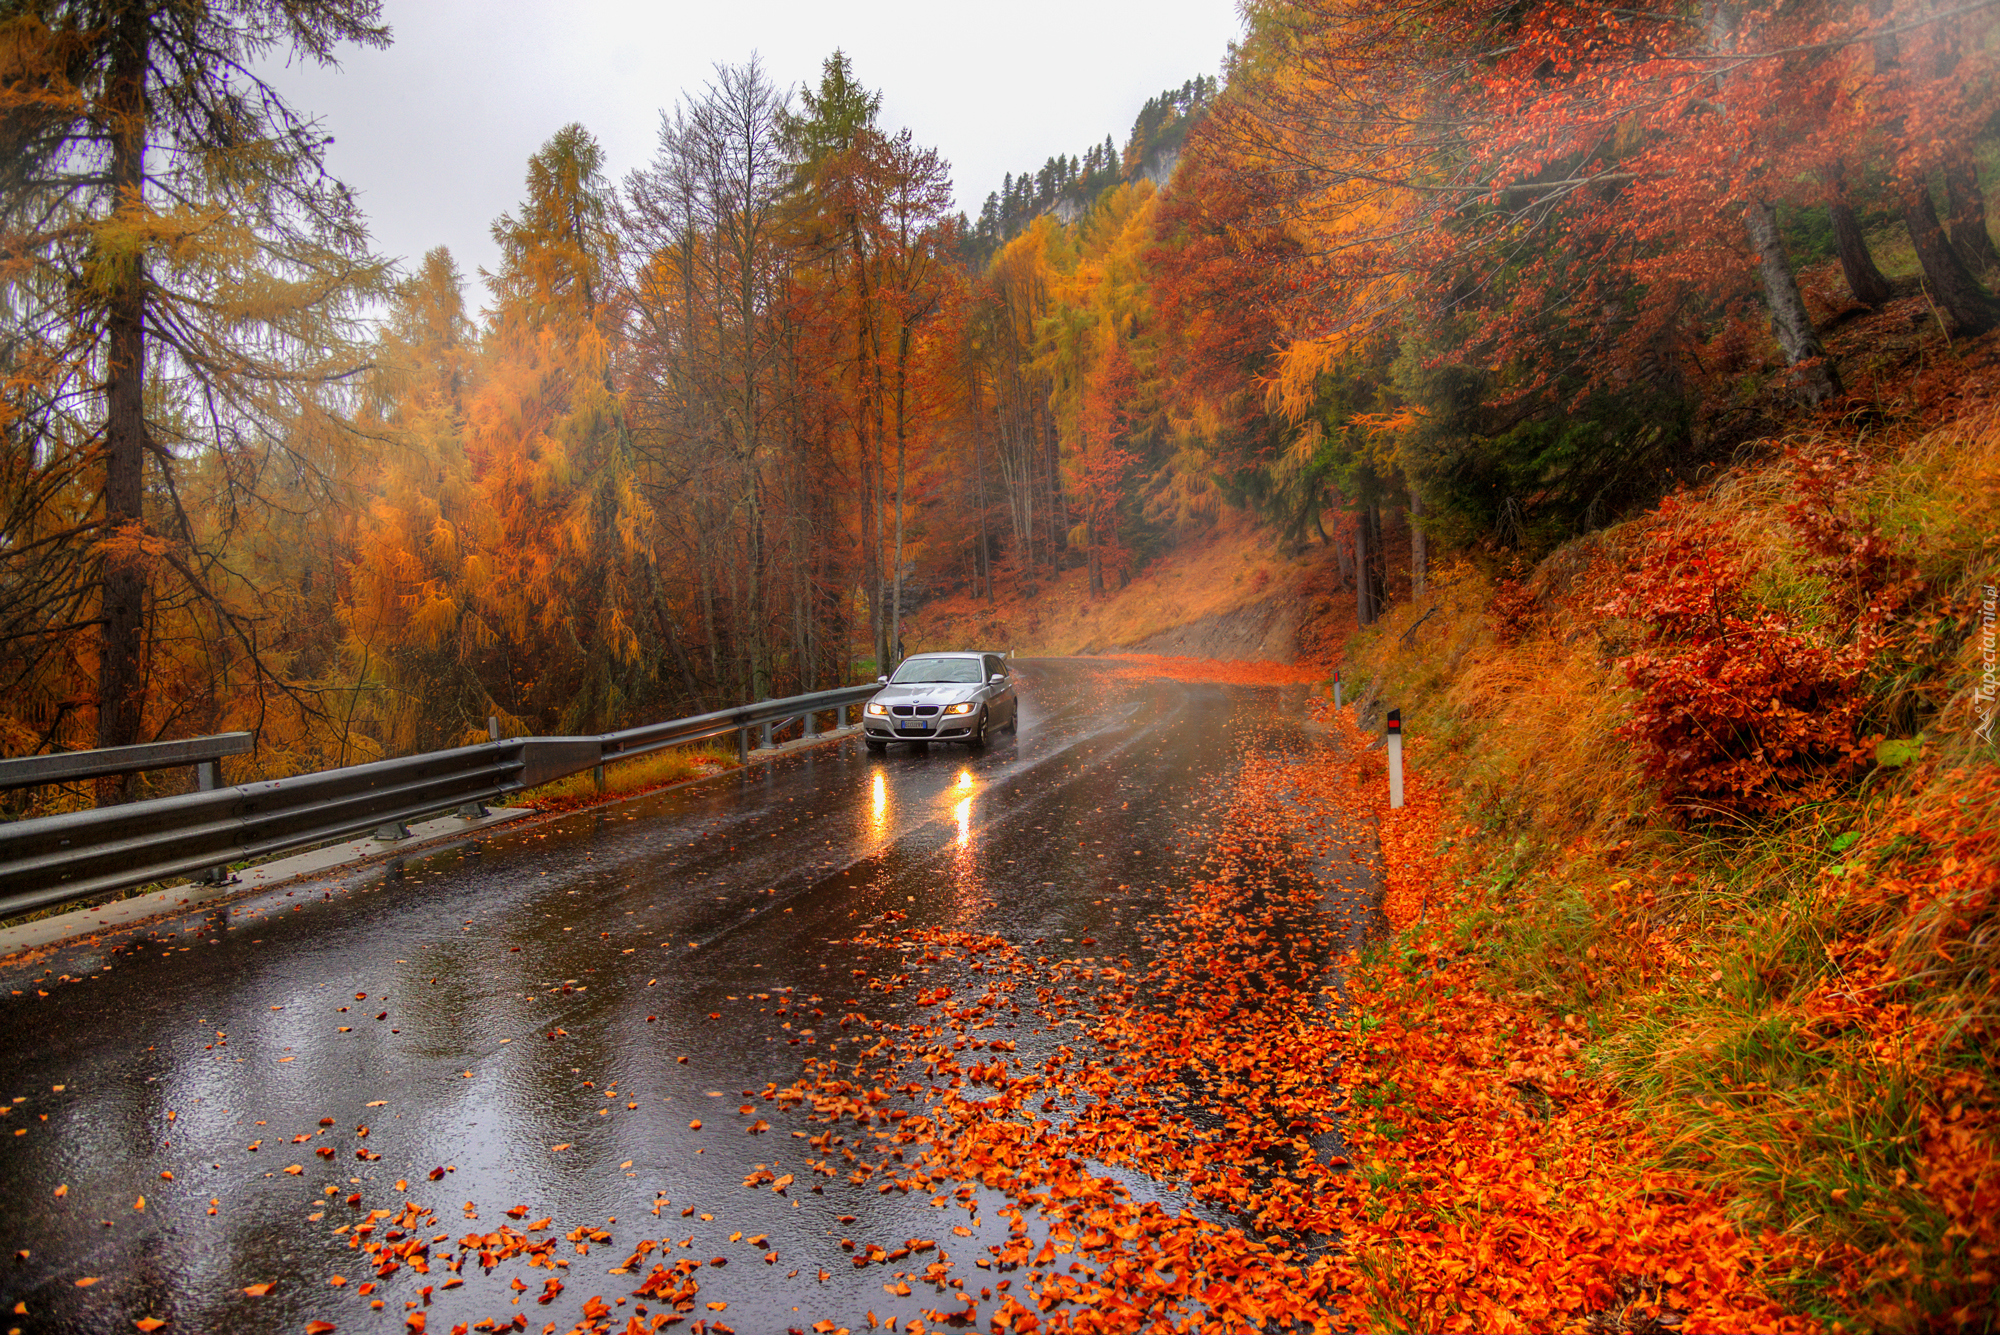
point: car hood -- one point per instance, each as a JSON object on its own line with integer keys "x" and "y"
{"x": 927, "y": 693}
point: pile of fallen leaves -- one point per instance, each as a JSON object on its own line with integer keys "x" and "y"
{"x": 1506, "y": 1190}
{"x": 1244, "y": 1129}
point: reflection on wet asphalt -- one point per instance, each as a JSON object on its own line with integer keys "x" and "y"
{"x": 536, "y": 1020}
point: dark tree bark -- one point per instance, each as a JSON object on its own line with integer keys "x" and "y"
{"x": 1364, "y": 586}
{"x": 1967, "y": 205}
{"x": 1376, "y": 567}
{"x": 982, "y": 568}
{"x": 120, "y": 680}
{"x": 1814, "y": 373}
{"x": 1864, "y": 280}
{"x": 1419, "y": 547}
{"x": 1954, "y": 289}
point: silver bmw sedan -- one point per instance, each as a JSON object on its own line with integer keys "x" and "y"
{"x": 956, "y": 697}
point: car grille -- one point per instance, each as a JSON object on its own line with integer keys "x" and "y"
{"x": 907, "y": 710}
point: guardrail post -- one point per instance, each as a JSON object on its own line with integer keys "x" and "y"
{"x": 812, "y": 724}
{"x": 207, "y": 778}
{"x": 478, "y": 810}
{"x": 743, "y": 746}
{"x": 767, "y": 730}
{"x": 1395, "y": 740}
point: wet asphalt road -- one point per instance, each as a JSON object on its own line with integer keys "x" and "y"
{"x": 596, "y": 983}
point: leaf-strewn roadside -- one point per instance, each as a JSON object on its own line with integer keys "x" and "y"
{"x": 1758, "y": 907}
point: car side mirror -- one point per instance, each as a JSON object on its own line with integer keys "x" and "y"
{"x": 881, "y": 679}
{"x": 997, "y": 678}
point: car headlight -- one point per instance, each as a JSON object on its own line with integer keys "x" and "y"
{"x": 874, "y": 708}
{"x": 965, "y": 708}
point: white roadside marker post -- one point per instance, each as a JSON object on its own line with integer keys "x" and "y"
{"x": 1395, "y": 758}
{"x": 1336, "y": 688}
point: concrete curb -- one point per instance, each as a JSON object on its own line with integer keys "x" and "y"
{"x": 179, "y": 899}
{"x": 802, "y": 743}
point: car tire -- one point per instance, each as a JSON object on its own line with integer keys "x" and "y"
{"x": 1014, "y": 718}
{"x": 978, "y": 739}
{"x": 874, "y": 747}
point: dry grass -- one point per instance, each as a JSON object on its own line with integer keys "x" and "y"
{"x": 1807, "y": 1010}
{"x": 1231, "y": 566}
{"x": 627, "y": 778}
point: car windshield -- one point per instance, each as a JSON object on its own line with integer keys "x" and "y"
{"x": 962, "y": 671}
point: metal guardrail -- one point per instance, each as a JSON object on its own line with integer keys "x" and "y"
{"x": 54, "y": 859}
{"x": 69, "y": 766}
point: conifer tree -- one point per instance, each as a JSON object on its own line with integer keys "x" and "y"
{"x": 566, "y": 578}
{"x": 178, "y": 278}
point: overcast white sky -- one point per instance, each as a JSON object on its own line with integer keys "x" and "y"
{"x": 435, "y": 132}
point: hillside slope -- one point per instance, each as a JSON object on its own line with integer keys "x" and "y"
{"x": 1713, "y": 795}
{"x": 1227, "y": 594}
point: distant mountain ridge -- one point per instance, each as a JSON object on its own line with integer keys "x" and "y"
{"x": 1067, "y": 186}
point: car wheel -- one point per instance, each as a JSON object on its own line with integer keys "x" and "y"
{"x": 978, "y": 739}
{"x": 1014, "y": 718}
{"x": 874, "y": 746}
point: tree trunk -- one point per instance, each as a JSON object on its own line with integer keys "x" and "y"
{"x": 983, "y": 569}
{"x": 1864, "y": 280}
{"x": 1419, "y": 549}
{"x": 1378, "y": 563}
{"x": 664, "y": 614}
{"x": 1364, "y": 586}
{"x": 758, "y": 669}
{"x": 1967, "y": 203}
{"x": 707, "y": 567}
{"x": 1814, "y": 374}
{"x": 902, "y": 450}
{"x": 1955, "y": 290}
{"x": 120, "y": 669}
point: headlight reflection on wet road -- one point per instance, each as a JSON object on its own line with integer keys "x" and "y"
{"x": 963, "y": 811}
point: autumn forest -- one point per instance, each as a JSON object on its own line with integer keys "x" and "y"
{"x": 1608, "y": 391}
{"x": 1490, "y": 276}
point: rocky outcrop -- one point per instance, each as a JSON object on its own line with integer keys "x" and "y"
{"x": 1160, "y": 163}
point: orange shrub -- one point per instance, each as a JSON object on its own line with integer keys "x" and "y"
{"x": 1738, "y": 712}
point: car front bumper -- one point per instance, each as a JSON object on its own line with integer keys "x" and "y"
{"x": 944, "y": 727}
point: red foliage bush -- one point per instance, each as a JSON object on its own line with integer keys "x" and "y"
{"x": 1739, "y": 713}
{"x": 1512, "y": 610}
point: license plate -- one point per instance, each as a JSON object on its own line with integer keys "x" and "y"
{"x": 913, "y": 727}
